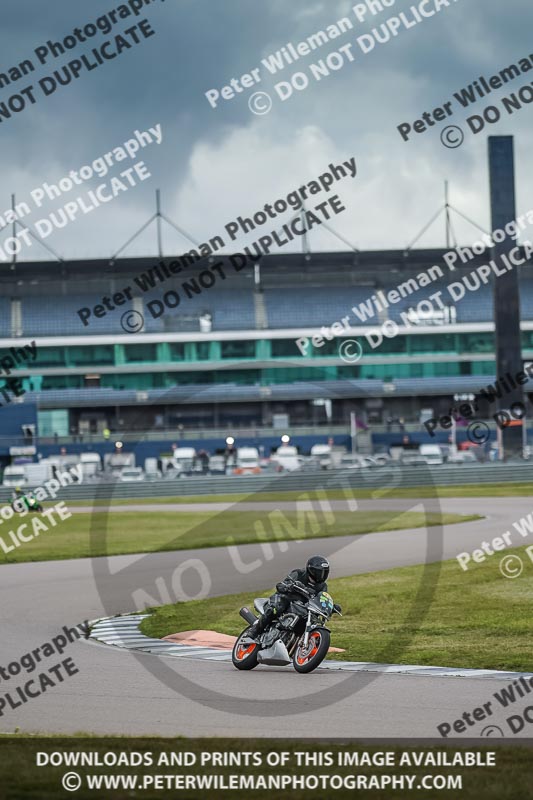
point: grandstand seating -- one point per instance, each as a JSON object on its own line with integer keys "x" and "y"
{"x": 56, "y": 316}
{"x": 229, "y": 310}
{"x": 5, "y": 317}
{"x": 526, "y": 299}
{"x": 243, "y": 376}
{"x": 234, "y": 310}
{"x": 311, "y": 307}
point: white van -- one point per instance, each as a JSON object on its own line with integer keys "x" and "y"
{"x": 131, "y": 475}
{"x": 151, "y": 467}
{"x": 14, "y": 476}
{"x": 37, "y": 474}
{"x": 287, "y": 457}
{"x": 432, "y": 453}
{"x": 352, "y": 462}
{"x": 91, "y": 464}
{"x": 247, "y": 461}
{"x": 321, "y": 453}
{"x": 183, "y": 460}
{"x": 116, "y": 462}
{"x": 151, "y": 470}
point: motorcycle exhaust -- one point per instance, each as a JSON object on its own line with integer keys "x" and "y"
{"x": 247, "y": 615}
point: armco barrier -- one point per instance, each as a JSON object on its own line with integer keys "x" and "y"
{"x": 299, "y": 482}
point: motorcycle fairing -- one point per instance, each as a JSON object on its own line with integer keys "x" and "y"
{"x": 260, "y": 603}
{"x": 276, "y": 655}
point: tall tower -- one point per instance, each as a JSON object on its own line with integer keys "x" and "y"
{"x": 506, "y": 292}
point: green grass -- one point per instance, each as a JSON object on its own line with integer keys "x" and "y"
{"x": 146, "y": 532}
{"x": 473, "y": 619}
{"x": 460, "y": 490}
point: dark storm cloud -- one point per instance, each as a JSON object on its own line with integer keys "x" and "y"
{"x": 162, "y": 80}
{"x": 196, "y": 43}
{"x": 202, "y": 44}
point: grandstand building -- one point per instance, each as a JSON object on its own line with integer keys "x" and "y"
{"x": 229, "y": 353}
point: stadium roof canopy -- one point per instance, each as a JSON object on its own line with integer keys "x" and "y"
{"x": 276, "y": 269}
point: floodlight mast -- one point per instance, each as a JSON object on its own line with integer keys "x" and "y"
{"x": 158, "y": 214}
{"x": 451, "y": 239}
{"x": 14, "y": 260}
{"x": 448, "y": 220}
{"x": 157, "y": 217}
{"x": 32, "y": 234}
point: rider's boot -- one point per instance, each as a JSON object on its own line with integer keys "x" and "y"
{"x": 260, "y": 625}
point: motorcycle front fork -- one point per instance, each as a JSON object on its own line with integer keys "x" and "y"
{"x": 308, "y": 627}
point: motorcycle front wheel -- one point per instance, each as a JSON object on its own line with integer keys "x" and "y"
{"x": 306, "y": 659}
{"x": 244, "y": 655}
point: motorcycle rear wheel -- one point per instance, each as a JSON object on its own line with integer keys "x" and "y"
{"x": 244, "y": 655}
{"x": 306, "y": 660}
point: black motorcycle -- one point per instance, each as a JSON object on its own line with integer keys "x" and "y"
{"x": 299, "y": 635}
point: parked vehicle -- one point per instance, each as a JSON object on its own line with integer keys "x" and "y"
{"x": 37, "y": 474}
{"x": 151, "y": 465}
{"x": 373, "y": 462}
{"x": 183, "y": 460}
{"x": 131, "y": 475}
{"x": 382, "y": 459}
{"x": 287, "y": 458}
{"x": 247, "y": 461}
{"x": 116, "y": 462}
{"x": 352, "y": 462}
{"x": 412, "y": 460}
{"x": 217, "y": 465}
{"x": 91, "y": 464}
{"x": 462, "y": 457}
{"x": 299, "y": 635}
{"x": 151, "y": 470}
{"x": 432, "y": 453}
{"x": 309, "y": 464}
{"x": 153, "y": 476}
{"x": 14, "y": 476}
{"x": 322, "y": 455}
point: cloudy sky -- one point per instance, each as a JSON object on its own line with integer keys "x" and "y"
{"x": 215, "y": 164}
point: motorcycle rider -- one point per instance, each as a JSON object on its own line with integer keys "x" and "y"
{"x": 27, "y": 500}
{"x": 313, "y": 577}
{"x": 19, "y": 495}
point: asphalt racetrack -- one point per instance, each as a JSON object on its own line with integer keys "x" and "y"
{"x": 116, "y": 692}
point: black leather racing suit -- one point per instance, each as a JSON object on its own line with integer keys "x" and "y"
{"x": 279, "y": 602}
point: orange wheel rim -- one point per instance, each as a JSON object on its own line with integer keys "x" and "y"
{"x": 314, "y": 643}
{"x": 244, "y": 651}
